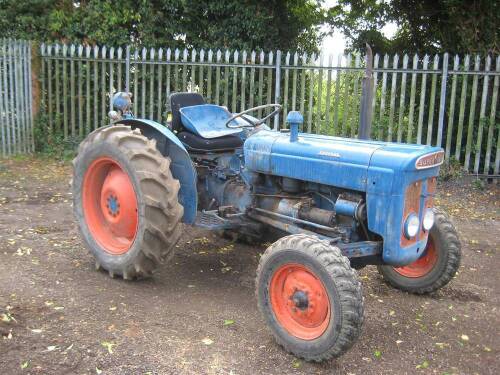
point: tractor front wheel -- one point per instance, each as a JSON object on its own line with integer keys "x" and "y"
{"x": 125, "y": 201}
{"x": 436, "y": 267}
{"x": 310, "y": 297}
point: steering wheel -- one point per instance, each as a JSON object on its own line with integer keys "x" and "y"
{"x": 252, "y": 124}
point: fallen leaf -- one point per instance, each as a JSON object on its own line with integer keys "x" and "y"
{"x": 228, "y": 322}
{"x": 423, "y": 365}
{"x": 51, "y": 348}
{"x": 464, "y": 338}
{"x": 25, "y": 364}
{"x": 207, "y": 341}
{"x": 108, "y": 346}
{"x": 7, "y": 318}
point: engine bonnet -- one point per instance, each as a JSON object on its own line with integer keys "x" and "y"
{"x": 335, "y": 161}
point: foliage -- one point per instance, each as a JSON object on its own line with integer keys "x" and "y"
{"x": 451, "y": 170}
{"x": 253, "y": 24}
{"x": 428, "y": 26}
{"x": 53, "y": 144}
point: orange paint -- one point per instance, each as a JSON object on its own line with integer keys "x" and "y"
{"x": 306, "y": 322}
{"x": 412, "y": 204}
{"x": 110, "y": 206}
{"x": 423, "y": 265}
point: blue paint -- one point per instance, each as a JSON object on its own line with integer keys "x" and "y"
{"x": 378, "y": 171}
{"x": 209, "y": 121}
{"x": 345, "y": 207}
{"x": 122, "y": 103}
{"x": 327, "y": 160}
{"x": 181, "y": 165}
{"x": 382, "y": 170}
{"x": 113, "y": 205}
{"x": 294, "y": 119}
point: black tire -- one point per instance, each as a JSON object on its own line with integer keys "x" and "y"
{"x": 158, "y": 208}
{"x": 340, "y": 282}
{"x": 448, "y": 248}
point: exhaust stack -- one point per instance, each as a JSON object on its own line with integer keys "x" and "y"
{"x": 365, "y": 117}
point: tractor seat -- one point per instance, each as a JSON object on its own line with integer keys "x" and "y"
{"x": 198, "y": 124}
{"x": 195, "y": 143}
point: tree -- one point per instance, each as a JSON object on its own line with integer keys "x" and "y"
{"x": 427, "y": 26}
{"x": 250, "y": 24}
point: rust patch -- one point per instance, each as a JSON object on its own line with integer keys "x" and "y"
{"x": 429, "y": 201}
{"x": 412, "y": 204}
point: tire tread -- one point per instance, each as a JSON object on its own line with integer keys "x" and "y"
{"x": 151, "y": 167}
{"x": 347, "y": 284}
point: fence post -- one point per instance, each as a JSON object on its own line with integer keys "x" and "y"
{"x": 3, "y": 112}
{"x": 33, "y": 70}
{"x": 442, "y": 99}
{"x": 277, "y": 88}
{"x": 127, "y": 69}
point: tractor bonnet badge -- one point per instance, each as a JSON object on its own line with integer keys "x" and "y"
{"x": 430, "y": 160}
{"x": 329, "y": 153}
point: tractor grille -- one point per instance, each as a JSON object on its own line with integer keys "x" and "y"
{"x": 417, "y": 193}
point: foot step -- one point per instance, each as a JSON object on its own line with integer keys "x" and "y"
{"x": 211, "y": 220}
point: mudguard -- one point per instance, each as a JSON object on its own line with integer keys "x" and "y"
{"x": 182, "y": 167}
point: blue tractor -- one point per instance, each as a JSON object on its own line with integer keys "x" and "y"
{"x": 334, "y": 205}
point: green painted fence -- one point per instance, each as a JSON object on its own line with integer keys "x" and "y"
{"x": 443, "y": 100}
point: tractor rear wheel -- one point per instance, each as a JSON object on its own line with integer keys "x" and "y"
{"x": 310, "y": 297}
{"x": 436, "y": 267}
{"x": 125, "y": 201}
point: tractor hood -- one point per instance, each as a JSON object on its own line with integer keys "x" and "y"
{"x": 341, "y": 162}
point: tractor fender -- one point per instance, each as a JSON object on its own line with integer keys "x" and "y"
{"x": 181, "y": 165}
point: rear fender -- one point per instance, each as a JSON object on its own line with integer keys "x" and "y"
{"x": 182, "y": 167}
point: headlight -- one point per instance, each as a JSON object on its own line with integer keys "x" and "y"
{"x": 428, "y": 221}
{"x": 122, "y": 102}
{"x": 411, "y": 225}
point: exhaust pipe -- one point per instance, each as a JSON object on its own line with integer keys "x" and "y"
{"x": 365, "y": 117}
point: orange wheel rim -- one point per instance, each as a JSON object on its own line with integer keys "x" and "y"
{"x": 423, "y": 265}
{"x": 110, "y": 206}
{"x": 300, "y": 301}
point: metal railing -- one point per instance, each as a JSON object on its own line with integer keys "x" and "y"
{"x": 16, "y": 99}
{"x": 442, "y": 100}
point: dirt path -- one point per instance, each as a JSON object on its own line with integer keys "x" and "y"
{"x": 60, "y": 316}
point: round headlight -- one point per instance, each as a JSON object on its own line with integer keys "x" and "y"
{"x": 428, "y": 220}
{"x": 411, "y": 225}
{"x": 122, "y": 102}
